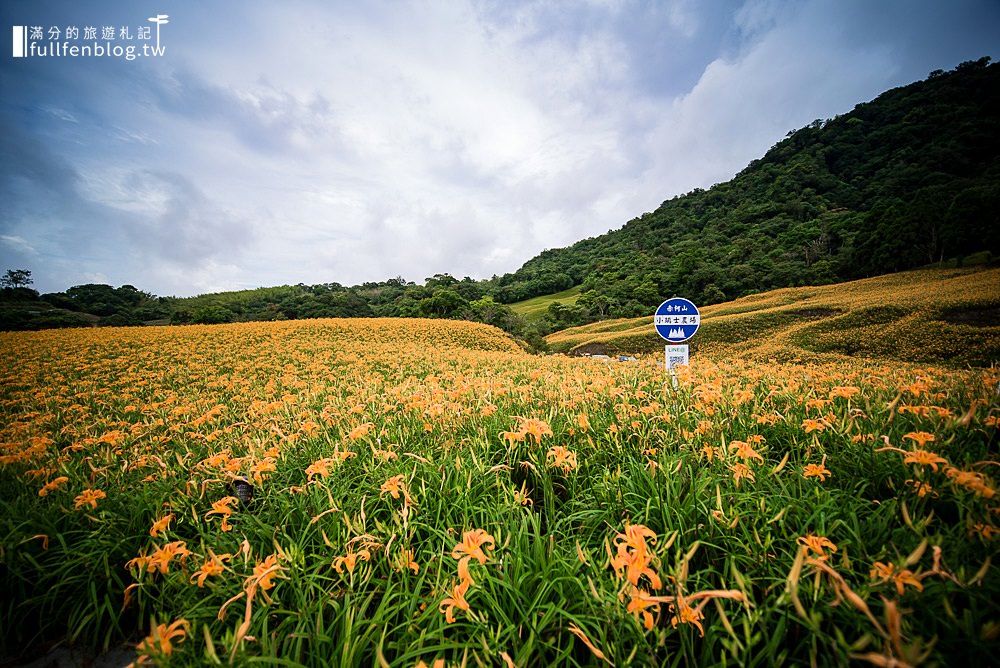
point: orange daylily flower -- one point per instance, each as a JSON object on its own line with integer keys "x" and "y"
{"x": 456, "y": 600}
{"x": 740, "y": 471}
{"x": 221, "y": 507}
{"x": 160, "y": 641}
{"x": 472, "y": 545}
{"x": 818, "y": 545}
{"x": 814, "y": 425}
{"x": 212, "y": 566}
{"x": 350, "y": 560}
{"x": 265, "y": 571}
{"x": 844, "y": 392}
{"x": 634, "y": 556}
{"x": 53, "y": 485}
{"x": 395, "y": 487}
{"x": 924, "y": 458}
{"x": 162, "y": 556}
{"x": 160, "y": 525}
{"x": 561, "y": 457}
{"x": 535, "y": 428}
{"x": 360, "y": 431}
{"x": 920, "y": 437}
{"x": 900, "y": 578}
{"x": 816, "y": 470}
{"x": 687, "y": 615}
{"x": 642, "y": 604}
{"x": 88, "y": 497}
{"x": 744, "y": 451}
{"x": 320, "y": 467}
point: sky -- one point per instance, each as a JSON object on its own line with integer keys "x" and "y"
{"x": 262, "y": 143}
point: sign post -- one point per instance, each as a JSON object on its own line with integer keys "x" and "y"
{"x": 676, "y": 320}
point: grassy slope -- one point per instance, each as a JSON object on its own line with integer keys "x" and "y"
{"x": 534, "y": 308}
{"x": 930, "y": 315}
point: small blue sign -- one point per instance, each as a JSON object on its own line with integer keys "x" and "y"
{"x": 677, "y": 319}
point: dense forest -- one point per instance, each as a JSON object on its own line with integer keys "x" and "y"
{"x": 909, "y": 179}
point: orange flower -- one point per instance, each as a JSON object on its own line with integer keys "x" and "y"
{"x": 745, "y": 451}
{"x": 360, "y": 431}
{"x": 221, "y": 507}
{"x": 921, "y": 488}
{"x": 320, "y": 467}
{"x": 642, "y": 604}
{"x": 635, "y": 563}
{"x": 161, "y": 558}
{"x": 900, "y": 578}
{"x": 160, "y": 641}
{"x": 405, "y": 560}
{"x": 882, "y": 571}
{"x": 350, "y": 560}
{"x": 265, "y": 572}
{"x": 814, "y": 425}
{"x": 562, "y": 458}
{"x": 456, "y": 600}
{"x": 212, "y": 566}
{"x": 395, "y": 487}
{"x": 53, "y": 485}
{"x": 535, "y": 428}
{"x": 924, "y": 458}
{"x": 816, "y": 470}
{"x": 258, "y": 470}
{"x": 740, "y": 471}
{"x": 920, "y": 437}
{"x": 844, "y": 392}
{"x": 472, "y": 546}
{"x": 906, "y": 577}
{"x": 88, "y": 497}
{"x": 817, "y": 544}
{"x": 984, "y": 531}
{"x": 160, "y": 525}
{"x": 687, "y": 615}
{"x": 634, "y": 555}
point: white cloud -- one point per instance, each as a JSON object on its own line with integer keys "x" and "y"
{"x": 18, "y": 244}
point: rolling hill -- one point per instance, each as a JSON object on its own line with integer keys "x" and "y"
{"x": 927, "y": 316}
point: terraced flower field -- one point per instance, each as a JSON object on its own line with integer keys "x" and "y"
{"x": 929, "y": 316}
{"x": 407, "y": 493}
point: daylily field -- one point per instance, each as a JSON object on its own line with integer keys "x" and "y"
{"x": 425, "y": 493}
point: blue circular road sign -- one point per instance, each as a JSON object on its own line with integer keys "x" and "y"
{"x": 677, "y": 320}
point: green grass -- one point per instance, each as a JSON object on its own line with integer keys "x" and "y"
{"x": 536, "y": 307}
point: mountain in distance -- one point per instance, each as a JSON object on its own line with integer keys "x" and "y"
{"x": 909, "y": 179}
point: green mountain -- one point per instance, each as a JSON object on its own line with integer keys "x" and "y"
{"x": 905, "y": 180}
{"x": 909, "y": 179}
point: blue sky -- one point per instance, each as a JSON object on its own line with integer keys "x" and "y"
{"x": 311, "y": 142}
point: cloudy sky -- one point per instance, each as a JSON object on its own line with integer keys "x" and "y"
{"x": 309, "y": 141}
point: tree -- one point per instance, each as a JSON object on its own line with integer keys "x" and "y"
{"x": 16, "y": 278}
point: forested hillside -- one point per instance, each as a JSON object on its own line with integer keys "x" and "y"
{"x": 905, "y": 180}
{"x": 909, "y": 179}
